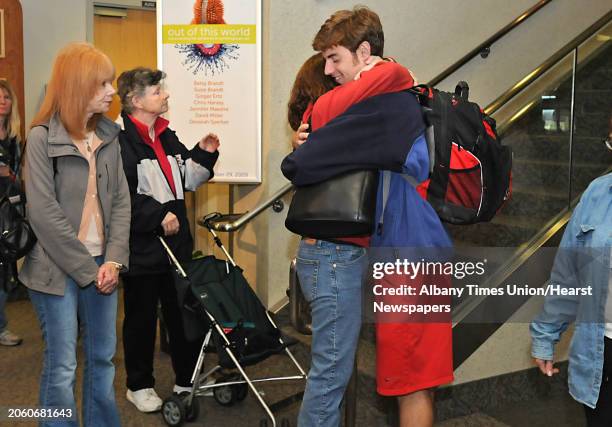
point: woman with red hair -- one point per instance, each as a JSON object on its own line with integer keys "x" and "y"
{"x": 79, "y": 208}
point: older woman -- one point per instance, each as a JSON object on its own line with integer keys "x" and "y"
{"x": 9, "y": 165}
{"x": 159, "y": 170}
{"x": 79, "y": 208}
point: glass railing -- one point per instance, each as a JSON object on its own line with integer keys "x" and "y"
{"x": 556, "y": 127}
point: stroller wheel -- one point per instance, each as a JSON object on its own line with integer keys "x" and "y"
{"x": 224, "y": 395}
{"x": 173, "y": 411}
{"x": 240, "y": 390}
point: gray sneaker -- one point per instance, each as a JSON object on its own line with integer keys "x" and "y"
{"x": 8, "y": 338}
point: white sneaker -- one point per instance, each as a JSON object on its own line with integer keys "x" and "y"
{"x": 9, "y": 339}
{"x": 180, "y": 389}
{"x": 145, "y": 400}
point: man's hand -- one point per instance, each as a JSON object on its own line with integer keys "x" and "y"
{"x": 5, "y": 171}
{"x": 370, "y": 63}
{"x": 210, "y": 143}
{"x": 170, "y": 224}
{"x": 300, "y": 135}
{"x": 108, "y": 278}
{"x": 546, "y": 367}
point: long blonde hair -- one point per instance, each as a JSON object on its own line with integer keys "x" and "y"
{"x": 12, "y": 123}
{"x": 78, "y": 72}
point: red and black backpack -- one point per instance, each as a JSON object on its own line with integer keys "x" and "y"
{"x": 471, "y": 173}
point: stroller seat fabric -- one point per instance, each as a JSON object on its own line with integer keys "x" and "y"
{"x": 220, "y": 288}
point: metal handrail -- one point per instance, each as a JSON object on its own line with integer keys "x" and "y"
{"x": 483, "y": 48}
{"x": 548, "y": 64}
{"x": 560, "y": 220}
{"x": 220, "y": 225}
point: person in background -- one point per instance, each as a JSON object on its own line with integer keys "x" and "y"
{"x": 78, "y": 204}
{"x": 159, "y": 169}
{"x": 10, "y": 156}
{"x": 583, "y": 260}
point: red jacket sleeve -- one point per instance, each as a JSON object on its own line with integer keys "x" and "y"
{"x": 385, "y": 77}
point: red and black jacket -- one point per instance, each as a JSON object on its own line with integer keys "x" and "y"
{"x": 152, "y": 196}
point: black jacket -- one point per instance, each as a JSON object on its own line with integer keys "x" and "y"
{"x": 152, "y": 197}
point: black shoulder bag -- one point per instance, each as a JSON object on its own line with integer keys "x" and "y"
{"x": 16, "y": 235}
{"x": 343, "y": 206}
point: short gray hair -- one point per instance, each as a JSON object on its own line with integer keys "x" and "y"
{"x": 134, "y": 83}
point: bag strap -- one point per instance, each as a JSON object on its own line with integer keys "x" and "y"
{"x": 386, "y": 187}
{"x": 385, "y": 198}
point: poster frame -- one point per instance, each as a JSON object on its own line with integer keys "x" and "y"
{"x": 257, "y": 179}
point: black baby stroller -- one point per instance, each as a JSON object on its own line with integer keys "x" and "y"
{"x": 217, "y": 302}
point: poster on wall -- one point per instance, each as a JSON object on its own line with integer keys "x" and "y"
{"x": 211, "y": 53}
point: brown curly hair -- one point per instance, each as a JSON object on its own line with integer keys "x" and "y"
{"x": 310, "y": 83}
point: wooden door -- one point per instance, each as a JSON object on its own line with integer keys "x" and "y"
{"x": 129, "y": 42}
{"x": 11, "y": 51}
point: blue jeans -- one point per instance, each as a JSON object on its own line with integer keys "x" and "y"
{"x": 3, "y": 321}
{"x": 60, "y": 318}
{"x": 330, "y": 276}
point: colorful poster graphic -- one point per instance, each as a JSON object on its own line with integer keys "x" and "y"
{"x": 211, "y": 53}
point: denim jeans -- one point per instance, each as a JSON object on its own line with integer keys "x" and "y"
{"x": 330, "y": 276}
{"x": 60, "y": 318}
{"x": 3, "y": 321}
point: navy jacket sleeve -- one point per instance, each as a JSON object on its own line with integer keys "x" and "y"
{"x": 376, "y": 133}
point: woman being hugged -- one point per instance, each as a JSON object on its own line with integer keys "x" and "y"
{"x": 79, "y": 207}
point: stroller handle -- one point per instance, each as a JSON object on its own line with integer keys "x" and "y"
{"x": 171, "y": 255}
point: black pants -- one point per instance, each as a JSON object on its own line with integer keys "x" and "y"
{"x": 141, "y": 296}
{"x": 601, "y": 416}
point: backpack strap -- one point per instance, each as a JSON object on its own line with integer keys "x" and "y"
{"x": 386, "y": 188}
{"x": 385, "y": 198}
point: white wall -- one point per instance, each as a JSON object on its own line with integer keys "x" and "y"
{"x": 47, "y": 27}
{"x": 517, "y": 54}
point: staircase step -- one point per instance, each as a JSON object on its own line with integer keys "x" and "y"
{"x": 552, "y": 173}
{"x": 535, "y": 203}
{"x": 503, "y": 232}
{"x": 523, "y": 222}
{"x": 539, "y": 191}
{"x": 555, "y": 147}
{"x": 474, "y": 420}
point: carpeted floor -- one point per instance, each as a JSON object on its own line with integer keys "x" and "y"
{"x": 20, "y": 370}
